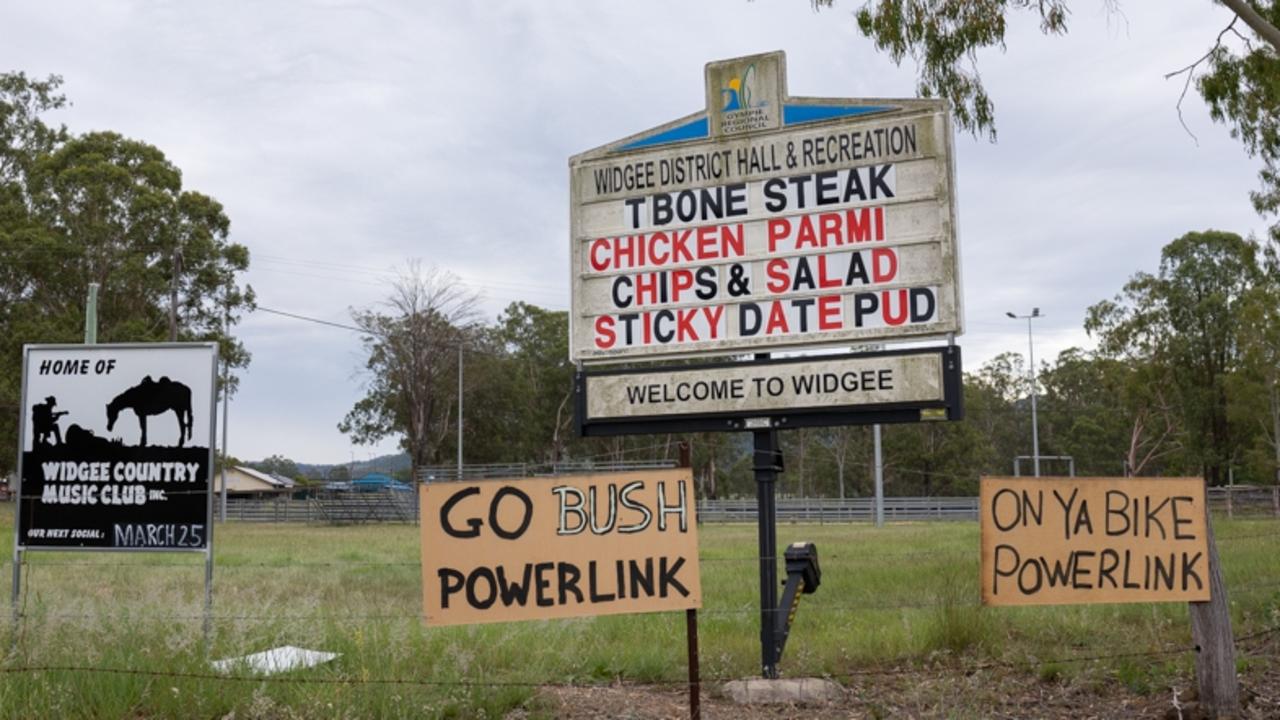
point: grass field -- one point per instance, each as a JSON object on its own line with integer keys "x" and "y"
{"x": 898, "y": 596}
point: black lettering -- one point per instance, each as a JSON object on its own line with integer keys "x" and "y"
{"x": 705, "y": 277}
{"x": 473, "y": 598}
{"x": 997, "y": 573}
{"x": 568, "y": 575}
{"x": 642, "y": 578}
{"x": 1188, "y": 571}
{"x": 775, "y": 195}
{"x": 493, "y": 513}
{"x": 667, "y": 577}
{"x": 513, "y": 592}
{"x": 451, "y": 581}
{"x": 543, "y": 583}
{"x": 473, "y": 523}
{"x": 1178, "y": 520}
{"x": 1106, "y": 569}
{"x": 593, "y": 591}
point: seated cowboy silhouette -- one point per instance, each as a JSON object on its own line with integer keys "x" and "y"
{"x": 45, "y": 421}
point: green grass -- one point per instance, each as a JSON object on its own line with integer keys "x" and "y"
{"x": 903, "y": 595}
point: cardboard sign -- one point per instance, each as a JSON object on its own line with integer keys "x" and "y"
{"x": 116, "y": 446}
{"x": 573, "y": 546}
{"x": 1052, "y": 541}
{"x": 765, "y": 221}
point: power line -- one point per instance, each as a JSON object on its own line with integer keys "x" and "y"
{"x": 318, "y": 321}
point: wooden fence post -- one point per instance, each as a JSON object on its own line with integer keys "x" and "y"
{"x": 1215, "y": 645}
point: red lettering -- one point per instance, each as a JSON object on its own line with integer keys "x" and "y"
{"x": 779, "y": 279}
{"x": 681, "y": 280}
{"x": 624, "y": 255}
{"x": 680, "y": 246}
{"x": 879, "y": 223}
{"x": 858, "y": 224}
{"x": 684, "y": 325}
{"x": 889, "y": 317}
{"x": 654, "y": 239}
{"x": 806, "y": 236}
{"x": 713, "y": 315}
{"x": 884, "y": 264}
{"x": 597, "y": 264}
{"x": 605, "y": 337}
{"x": 778, "y": 319}
{"x": 829, "y": 228}
{"x": 779, "y": 229}
{"x": 706, "y": 243}
{"x": 731, "y": 245}
{"x": 647, "y": 288}
{"x": 829, "y": 312}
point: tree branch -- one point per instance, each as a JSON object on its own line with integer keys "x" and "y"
{"x": 1256, "y": 22}
{"x": 1190, "y": 70}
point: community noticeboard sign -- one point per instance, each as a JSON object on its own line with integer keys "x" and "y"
{"x": 558, "y": 547}
{"x": 1093, "y": 540}
{"x": 116, "y": 446}
{"x": 765, "y": 222}
{"x": 816, "y": 390}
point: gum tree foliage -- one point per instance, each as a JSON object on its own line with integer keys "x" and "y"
{"x": 519, "y": 389}
{"x": 1238, "y": 76}
{"x": 1257, "y": 387}
{"x": 1186, "y": 320}
{"x": 412, "y": 344}
{"x": 1111, "y": 416}
{"x": 98, "y": 207}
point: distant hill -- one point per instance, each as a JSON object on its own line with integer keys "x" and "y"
{"x": 399, "y": 462}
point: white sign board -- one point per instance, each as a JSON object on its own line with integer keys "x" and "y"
{"x": 765, "y": 222}
{"x": 117, "y": 446}
{"x": 766, "y": 388}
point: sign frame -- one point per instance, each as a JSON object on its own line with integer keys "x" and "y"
{"x": 792, "y": 117}
{"x": 23, "y": 421}
{"x": 952, "y": 403}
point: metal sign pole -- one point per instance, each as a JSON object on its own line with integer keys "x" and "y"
{"x": 767, "y": 464}
{"x": 695, "y": 682}
{"x": 207, "y": 625}
{"x": 17, "y": 584}
{"x": 879, "y": 479}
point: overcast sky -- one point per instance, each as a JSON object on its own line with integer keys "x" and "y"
{"x": 345, "y": 138}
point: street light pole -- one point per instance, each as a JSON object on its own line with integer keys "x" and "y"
{"x": 1031, "y": 373}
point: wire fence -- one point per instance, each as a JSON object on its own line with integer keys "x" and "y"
{"x": 1259, "y": 644}
{"x": 926, "y": 668}
{"x": 390, "y": 506}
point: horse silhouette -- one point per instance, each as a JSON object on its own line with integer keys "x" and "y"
{"x": 151, "y": 397}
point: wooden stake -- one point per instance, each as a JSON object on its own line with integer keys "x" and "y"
{"x": 1215, "y": 645}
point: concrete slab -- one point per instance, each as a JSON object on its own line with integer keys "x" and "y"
{"x": 785, "y": 691}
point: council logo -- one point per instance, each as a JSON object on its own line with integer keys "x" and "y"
{"x": 741, "y": 92}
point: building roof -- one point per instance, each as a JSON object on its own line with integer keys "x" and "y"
{"x": 272, "y": 480}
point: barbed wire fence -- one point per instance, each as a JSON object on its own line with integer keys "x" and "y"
{"x": 1253, "y": 644}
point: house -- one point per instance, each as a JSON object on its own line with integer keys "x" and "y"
{"x": 246, "y": 482}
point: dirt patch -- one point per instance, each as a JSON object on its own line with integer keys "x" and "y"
{"x": 932, "y": 693}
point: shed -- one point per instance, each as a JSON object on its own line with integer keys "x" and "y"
{"x": 246, "y": 482}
